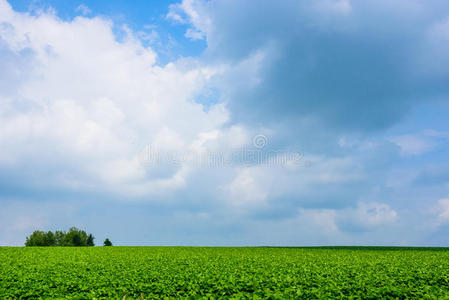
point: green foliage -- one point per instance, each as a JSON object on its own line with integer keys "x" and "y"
{"x": 74, "y": 237}
{"x": 90, "y": 240}
{"x": 107, "y": 242}
{"x": 41, "y": 238}
{"x": 59, "y": 237}
{"x": 194, "y": 272}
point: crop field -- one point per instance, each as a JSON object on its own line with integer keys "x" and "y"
{"x": 202, "y": 272}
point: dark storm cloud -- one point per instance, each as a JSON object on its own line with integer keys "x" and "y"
{"x": 355, "y": 65}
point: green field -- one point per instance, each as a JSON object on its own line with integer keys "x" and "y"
{"x": 201, "y": 272}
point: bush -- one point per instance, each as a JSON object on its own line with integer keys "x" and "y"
{"x": 107, "y": 242}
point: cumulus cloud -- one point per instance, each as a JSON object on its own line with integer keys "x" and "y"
{"x": 87, "y": 104}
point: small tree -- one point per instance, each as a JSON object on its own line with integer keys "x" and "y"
{"x": 90, "y": 240}
{"x": 107, "y": 242}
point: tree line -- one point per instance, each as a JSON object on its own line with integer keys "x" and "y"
{"x": 73, "y": 238}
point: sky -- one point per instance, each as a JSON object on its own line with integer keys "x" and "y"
{"x": 225, "y": 122}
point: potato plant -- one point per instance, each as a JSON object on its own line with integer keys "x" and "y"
{"x": 202, "y": 272}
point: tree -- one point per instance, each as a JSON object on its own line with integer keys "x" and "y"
{"x": 37, "y": 238}
{"x": 107, "y": 242}
{"x": 90, "y": 240}
{"x": 41, "y": 239}
{"x": 50, "y": 239}
{"x": 59, "y": 237}
{"x": 74, "y": 237}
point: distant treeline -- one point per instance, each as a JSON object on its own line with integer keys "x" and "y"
{"x": 74, "y": 237}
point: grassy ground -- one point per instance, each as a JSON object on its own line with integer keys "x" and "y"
{"x": 195, "y": 272}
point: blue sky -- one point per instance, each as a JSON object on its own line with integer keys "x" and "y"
{"x": 226, "y": 122}
{"x": 140, "y": 16}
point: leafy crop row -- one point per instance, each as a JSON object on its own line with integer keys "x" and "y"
{"x": 158, "y": 272}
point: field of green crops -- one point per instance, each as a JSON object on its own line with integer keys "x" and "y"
{"x": 199, "y": 272}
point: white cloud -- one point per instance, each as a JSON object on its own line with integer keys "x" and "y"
{"x": 322, "y": 219}
{"x": 175, "y": 15}
{"x": 414, "y": 144}
{"x": 194, "y": 34}
{"x": 367, "y": 216}
{"x": 442, "y": 210}
{"x": 151, "y": 36}
{"x": 247, "y": 191}
{"x": 83, "y": 9}
{"x": 421, "y": 142}
{"x": 191, "y": 11}
{"x": 90, "y": 103}
{"x": 374, "y": 214}
{"x": 341, "y": 7}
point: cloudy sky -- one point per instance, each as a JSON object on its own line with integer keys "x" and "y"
{"x": 217, "y": 122}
